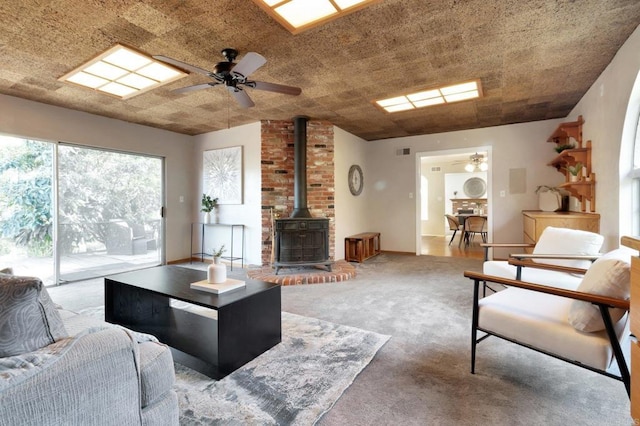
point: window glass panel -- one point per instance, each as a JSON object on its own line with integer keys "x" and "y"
{"x": 636, "y": 149}
{"x": 26, "y": 206}
{"x": 109, "y": 210}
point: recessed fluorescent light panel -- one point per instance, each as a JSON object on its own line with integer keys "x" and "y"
{"x": 299, "y": 15}
{"x": 440, "y": 95}
{"x": 122, "y": 72}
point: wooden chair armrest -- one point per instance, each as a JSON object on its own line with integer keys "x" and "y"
{"x": 556, "y": 256}
{"x": 547, "y": 266}
{"x": 507, "y": 245}
{"x": 576, "y": 295}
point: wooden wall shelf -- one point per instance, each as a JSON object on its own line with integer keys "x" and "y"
{"x": 585, "y": 188}
{"x": 566, "y": 131}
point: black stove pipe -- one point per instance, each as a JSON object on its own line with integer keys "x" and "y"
{"x": 300, "y": 208}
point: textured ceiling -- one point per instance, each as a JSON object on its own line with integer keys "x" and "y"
{"x": 535, "y": 59}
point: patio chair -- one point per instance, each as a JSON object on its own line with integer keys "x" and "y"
{"x": 122, "y": 239}
{"x": 584, "y": 326}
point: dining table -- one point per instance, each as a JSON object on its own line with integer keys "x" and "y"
{"x": 462, "y": 217}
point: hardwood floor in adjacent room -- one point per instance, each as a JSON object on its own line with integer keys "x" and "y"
{"x": 439, "y": 246}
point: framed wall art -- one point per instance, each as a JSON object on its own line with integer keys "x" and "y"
{"x": 222, "y": 174}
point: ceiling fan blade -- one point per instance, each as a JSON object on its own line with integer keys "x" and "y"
{"x": 241, "y": 97}
{"x": 194, "y": 87}
{"x": 183, "y": 65}
{"x": 248, "y": 64}
{"x": 273, "y": 87}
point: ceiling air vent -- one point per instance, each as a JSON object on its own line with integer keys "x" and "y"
{"x": 403, "y": 151}
{"x": 435, "y": 169}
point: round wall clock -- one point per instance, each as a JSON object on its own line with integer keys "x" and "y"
{"x": 356, "y": 180}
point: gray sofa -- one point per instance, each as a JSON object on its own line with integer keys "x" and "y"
{"x": 98, "y": 374}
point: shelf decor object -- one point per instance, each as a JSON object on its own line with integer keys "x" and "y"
{"x": 223, "y": 287}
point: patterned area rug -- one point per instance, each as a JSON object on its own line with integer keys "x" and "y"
{"x": 293, "y": 383}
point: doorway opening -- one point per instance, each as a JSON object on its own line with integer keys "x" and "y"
{"x": 455, "y": 182}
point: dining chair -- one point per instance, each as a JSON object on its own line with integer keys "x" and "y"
{"x": 475, "y": 225}
{"x": 455, "y": 226}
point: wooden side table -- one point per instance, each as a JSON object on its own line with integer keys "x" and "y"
{"x": 360, "y": 247}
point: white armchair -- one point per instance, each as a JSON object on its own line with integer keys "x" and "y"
{"x": 583, "y": 326}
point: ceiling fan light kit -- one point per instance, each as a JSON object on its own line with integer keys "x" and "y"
{"x": 477, "y": 162}
{"x": 234, "y": 76}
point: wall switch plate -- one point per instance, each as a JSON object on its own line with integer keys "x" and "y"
{"x": 181, "y": 199}
{"x": 503, "y": 194}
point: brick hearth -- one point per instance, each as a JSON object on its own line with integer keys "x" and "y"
{"x": 340, "y": 271}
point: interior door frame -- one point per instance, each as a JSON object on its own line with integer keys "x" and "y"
{"x": 418, "y": 183}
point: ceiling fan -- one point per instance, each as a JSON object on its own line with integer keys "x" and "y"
{"x": 234, "y": 76}
{"x": 476, "y": 162}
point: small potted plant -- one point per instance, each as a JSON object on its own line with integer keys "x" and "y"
{"x": 217, "y": 272}
{"x": 560, "y": 148}
{"x": 217, "y": 253}
{"x": 208, "y": 205}
{"x": 575, "y": 170}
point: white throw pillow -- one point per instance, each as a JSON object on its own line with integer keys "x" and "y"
{"x": 608, "y": 276}
{"x": 568, "y": 241}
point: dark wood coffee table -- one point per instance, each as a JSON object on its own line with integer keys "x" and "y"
{"x": 248, "y": 320}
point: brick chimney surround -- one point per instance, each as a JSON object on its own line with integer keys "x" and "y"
{"x": 277, "y": 170}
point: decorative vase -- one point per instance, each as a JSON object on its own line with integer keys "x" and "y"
{"x": 575, "y": 178}
{"x": 549, "y": 201}
{"x": 216, "y": 217}
{"x": 207, "y": 217}
{"x": 216, "y": 272}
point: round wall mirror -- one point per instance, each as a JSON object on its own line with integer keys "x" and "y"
{"x": 474, "y": 187}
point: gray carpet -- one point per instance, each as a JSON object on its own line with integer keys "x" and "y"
{"x": 421, "y": 375}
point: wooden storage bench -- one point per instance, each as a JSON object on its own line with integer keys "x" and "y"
{"x": 360, "y": 247}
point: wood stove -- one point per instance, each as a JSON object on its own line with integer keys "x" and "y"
{"x": 301, "y": 240}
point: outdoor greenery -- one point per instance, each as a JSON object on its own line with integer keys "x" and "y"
{"x": 94, "y": 188}
{"x": 25, "y": 199}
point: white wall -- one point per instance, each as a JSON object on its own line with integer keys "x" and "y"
{"x": 392, "y": 208}
{"x": 352, "y": 215}
{"x": 35, "y": 120}
{"x": 249, "y": 212}
{"x": 604, "y": 109}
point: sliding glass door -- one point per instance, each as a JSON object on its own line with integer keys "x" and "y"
{"x": 109, "y": 212}
{"x": 70, "y": 213}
